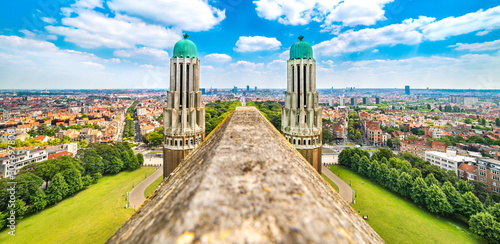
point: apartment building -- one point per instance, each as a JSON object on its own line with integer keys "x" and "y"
{"x": 10, "y": 167}
{"x": 419, "y": 147}
{"x": 449, "y": 160}
{"x": 488, "y": 171}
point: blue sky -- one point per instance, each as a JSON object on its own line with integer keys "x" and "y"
{"x": 363, "y": 43}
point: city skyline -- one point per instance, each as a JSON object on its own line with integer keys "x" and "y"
{"x": 94, "y": 44}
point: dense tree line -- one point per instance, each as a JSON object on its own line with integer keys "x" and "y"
{"x": 129, "y": 129}
{"x": 154, "y": 138}
{"x": 46, "y": 183}
{"x": 413, "y": 179}
{"x": 216, "y": 112}
{"x": 354, "y": 126}
{"x": 271, "y": 110}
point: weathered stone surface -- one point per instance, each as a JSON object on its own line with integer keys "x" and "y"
{"x": 245, "y": 184}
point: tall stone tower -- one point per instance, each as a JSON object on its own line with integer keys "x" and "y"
{"x": 301, "y": 116}
{"x": 184, "y": 114}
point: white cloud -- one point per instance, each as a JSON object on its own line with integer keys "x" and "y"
{"x": 190, "y": 15}
{"x": 256, "y": 43}
{"x": 277, "y": 64}
{"x": 484, "y": 46}
{"x": 94, "y": 65}
{"x": 146, "y": 53}
{"x": 48, "y": 20}
{"x": 91, "y": 29}
{"x": 285, "y": 54}
{"x": 483, "y": 21}
{"x": 89, "y": 4}
{"x": 354, "y": 41}
{"x": 245, "y": 66}
{"x": 357, "y": 12}
{"x": 328, "y": 12}
{"x": 218, "y": 57}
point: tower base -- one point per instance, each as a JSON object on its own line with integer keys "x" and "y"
{"x": 172, "y": 159}
{"x": 313, "y": 156}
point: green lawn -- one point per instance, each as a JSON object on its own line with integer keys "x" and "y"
{"x": 151, "y": 188}
{"x": 91, "y": 216}
{"x": 398, "y": 220}
{"x": 331, "y": 182}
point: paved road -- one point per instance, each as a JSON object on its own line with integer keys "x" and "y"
{"x": 136, "y": 197}
{"x": 345, "y": 190}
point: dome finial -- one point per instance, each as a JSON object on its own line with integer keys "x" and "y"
{"x": 185, "y": 35}
{"x": 301, "y": 37}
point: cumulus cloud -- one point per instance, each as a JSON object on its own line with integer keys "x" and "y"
{"x": 354, "y": 41}
{"x": 146, "y": 53}
{"x": 218, "y": 57}
{"x": 245, "y": 66}
{"x": 333, "y": 14}
{"x": 481, "y": 20}
{"x": 48, "y": 20}
{"x": 191, "y": 15}
{"x": 256, "y": 43}
{"x": 484, "y": 46}
{"x": 91, "y": 29}
{"x": 277, "y": 64}
{"x": 94, "y": 65}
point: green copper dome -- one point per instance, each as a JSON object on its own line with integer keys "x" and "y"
{"x": 301, "y": 50}
{"x": 185, "y": 49}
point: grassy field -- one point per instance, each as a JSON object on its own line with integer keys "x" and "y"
{"x": 398, "y": 220}
{"x": 151, "y": 188}
{"x": 331, "y": 183}
{"x": 91, "y": 216}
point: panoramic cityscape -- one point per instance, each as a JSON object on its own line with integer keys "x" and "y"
{"x": 262, "y": 121}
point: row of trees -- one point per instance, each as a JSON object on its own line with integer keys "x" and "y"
{"x": 271, "y": 110}
{"x": 129, "y": 129}
{"x": 354, "y": 126}
{"x": 439, "y": 197}
{"x": 64, "y": 176}
{"x": 154, "y": 138}
{"x": 216, "y": 112}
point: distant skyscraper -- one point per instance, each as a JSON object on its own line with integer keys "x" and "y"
{"x": 184, "y": 114}
{"x": 365, "y": 100}
{"x": 377, "y": 100}
{"x": 248, "y": 88}
{"x": 202, "y": 91}
{"x": 255, "y": 88}
{"x": 455, "y": 99}
{"x": 330, "y": 102}
{"x": 341, "y": 102}
{"x": 470, "y": 100}
{"x": 235, "y": 89}
{"x": 353, "y": 101}
{"x": 301, "y": 116}
{"x": 407, "y": 90}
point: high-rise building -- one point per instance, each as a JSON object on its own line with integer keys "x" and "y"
{"x": 353, "y": 101}
{"x": 255, "y": 88}
{"x": 235, "y": 89}
{"x": 341, "y": 102}
{"x": 407, "y": 90}
{"x": 330, "y": 102}
{"x": 248, "y": 88}
{"x": 455, "y": 99}
{"x": 377, "y": 100}
{"x": 184, "y": 114}
{"x": 365, "y": 100}
{"x": 470, "y": 100}
{"x": 301, "y": 116}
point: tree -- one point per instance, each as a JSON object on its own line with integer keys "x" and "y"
{"x": 405, "y": 183}
{"x": 472, "y": 205}
{"x": 74, "y": 180}
{"x": 92, "y": 162}
{"x": 389, "y": 143}
{"x": 495, "y": 211}
{"x": 373, "y": 170}
{"x": 57, "y": 190}
{"x": 364, "y": 165}
{"x": 489, "y": 202}
{"x": 392, "y": 180}
{"x": 497, "y": 121}
{"x": 20, "y": 208}
{"x": 115, "y": 166}
{"x": 464, "y": 187}
{"x": 415, "y": 173}
{"x": 485, "y": 226}
{"x": 453, "y": 196}
{"x": 385, "y": 153}
{"x": 38, "y": 201}
{"x": 436, "y": 201}
{"x": 27, "y": 185}
{"x": 140, "y": 158}
{"x": 419, "y": 190}
{"x": 87, "y": 181}
{"x": 383, "y": 173}
{"x": 96, "y": 177}
{"x": 431, "y": 180}
{"x": 127, "y": 162}
{"x": 355, "y": 162}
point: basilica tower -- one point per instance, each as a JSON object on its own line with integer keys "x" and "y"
{"x": 301, "y": 116}
{"x": 184, "y": 114}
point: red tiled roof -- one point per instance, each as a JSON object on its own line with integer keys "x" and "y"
{"x": 59, "y": 154}
{"x": 467, "y": 167}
